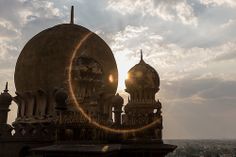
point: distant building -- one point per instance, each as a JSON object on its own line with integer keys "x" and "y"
{"x": 66, "y": 79}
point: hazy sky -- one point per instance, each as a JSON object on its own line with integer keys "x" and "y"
{"x": 191, "y": 43}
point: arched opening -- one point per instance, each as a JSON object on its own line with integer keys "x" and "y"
{"x": 113, "y": 114}
{"x": 12, "y": 115}
{"x": 155, "y": 111}
{"x": 69, "y": 134}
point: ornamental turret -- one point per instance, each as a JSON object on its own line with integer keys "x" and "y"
{"x": 142, "y": 84}
{"x": 142, "y": 109}
{"x": 5, "y": 102}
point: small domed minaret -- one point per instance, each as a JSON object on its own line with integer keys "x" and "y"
{"x": 142, "y": 84}
{"x": 5, "y": 102}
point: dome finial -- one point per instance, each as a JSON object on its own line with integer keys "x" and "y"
{"x": 6, "y": 87}
{"x": 141, "y": 55}
{"x": 72, "y": 15}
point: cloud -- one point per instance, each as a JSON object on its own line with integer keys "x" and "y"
{"x": 38, "y": 9}
{"x": 186, "y": 14}
{"x": 212, "y": 118}
{"x": 228, "y": 3}
{"x": 169, "y": 59}
{"x": 124, "y": 39}
{"x": 169, "y": 10}
{"x": 198, "y": 88}
{"x": 228, "y": 52}
{"x": 222, "y": 89}
{"x": 15, "y": 18}
{"x": 7, "y": 30}
{"x": 227, "y": 56}
{"x": 196, "y": 107}
{"x": 228, "y": 24}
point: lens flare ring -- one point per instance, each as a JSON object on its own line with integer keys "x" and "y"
{"x": 74, "y": 100}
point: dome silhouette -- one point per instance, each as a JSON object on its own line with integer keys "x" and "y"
{"x": 42, "y": 62}
{"x": 142, "y": 76}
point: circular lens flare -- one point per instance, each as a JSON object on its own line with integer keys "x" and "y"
{"x": 74, "y": 100}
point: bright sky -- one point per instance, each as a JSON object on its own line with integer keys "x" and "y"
{"x": 191, "y": 43}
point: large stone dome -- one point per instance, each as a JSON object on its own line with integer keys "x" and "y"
{"x": 142, "y": 76}
{"x": 44, "y": 60}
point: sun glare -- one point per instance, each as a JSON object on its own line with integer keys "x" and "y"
{"x": 111, "y": 79}
{"x": 124, "y": 63}
{"x": 127, "y": 76}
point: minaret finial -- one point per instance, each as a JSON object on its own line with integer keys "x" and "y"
{"x": 6, "y": 87}
{"x": 141, "y": 55}
{"x": 72, "y": 15}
